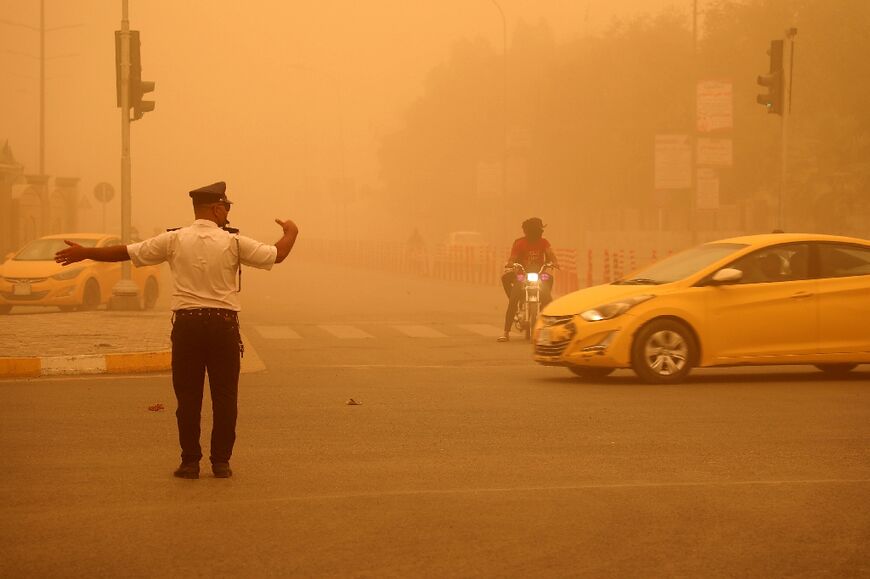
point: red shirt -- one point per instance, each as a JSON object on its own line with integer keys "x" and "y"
{"x": 531, "y": 254}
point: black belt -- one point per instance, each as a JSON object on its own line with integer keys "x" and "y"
{"x": 210, "y": 312}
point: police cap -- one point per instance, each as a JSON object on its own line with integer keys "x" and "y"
{"x": 214, "y": 193}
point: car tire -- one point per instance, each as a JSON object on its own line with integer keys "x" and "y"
{"x": 150, "y": 294}
{"x": 91, "y": 297}
{"x": 591, "y": 372}
{"x": 837, "y": 369}
{"x": 663, "y": 352}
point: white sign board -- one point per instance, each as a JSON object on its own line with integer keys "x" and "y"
{"x": 707, "y": 185}
{"x": 673, "y": 162}
{"x": 715, "y": 152}
{"x": 715, "y": 105}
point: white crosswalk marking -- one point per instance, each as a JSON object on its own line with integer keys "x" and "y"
{"x": 482, "y": 329}
{"x": 346, "y": 332}
{"x": 420, "y": 332}
{"x": 354, "y": 332}
{"x": 277, "y": 333}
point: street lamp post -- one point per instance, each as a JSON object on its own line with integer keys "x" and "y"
{"x": 504, "y": 151}
{"x": 125, "y": 294}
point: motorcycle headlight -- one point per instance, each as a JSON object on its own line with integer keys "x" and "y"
{"x": 613, "y": 309}
{"x": 532, "y": 276}
{"x": 67, "y": 274}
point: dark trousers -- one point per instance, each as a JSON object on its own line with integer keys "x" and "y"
{"x": 515, "y": 292}
{"x": 203, "y": 342}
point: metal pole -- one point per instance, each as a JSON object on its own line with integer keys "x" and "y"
{"x": 504, "y": 152}
{"x": 693, "y": 131}
{"x": 788, "y": 49}
{"x": 42, "y": 87}
{"x": 125, "y": 125}
{"x": 125, "y": 292}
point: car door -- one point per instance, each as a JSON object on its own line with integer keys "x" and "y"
{"x": 110, "y": 272}
{"x": 769, "y": 315}
{"x": 844, "y": 297}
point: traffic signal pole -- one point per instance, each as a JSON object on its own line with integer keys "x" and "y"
{"x": 787, "y": 72}
{"x": 125, "y": 294}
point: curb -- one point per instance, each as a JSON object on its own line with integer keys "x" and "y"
{"x": 129, "y": 363}
{"x": 121, "y": 363}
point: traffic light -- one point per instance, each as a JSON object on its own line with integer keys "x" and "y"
{"x": 774, "y": 80}
{"x": 139, "y": 87}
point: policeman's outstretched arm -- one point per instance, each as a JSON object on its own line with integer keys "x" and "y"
{"x": 285, "y": 244}
{"x": 76, "y": 252}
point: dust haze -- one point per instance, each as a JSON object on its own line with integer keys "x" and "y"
{"x": 365, "y": 121}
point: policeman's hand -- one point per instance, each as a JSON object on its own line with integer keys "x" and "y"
{"x": 71, "y": 254}
{"x": 288, "y": 226}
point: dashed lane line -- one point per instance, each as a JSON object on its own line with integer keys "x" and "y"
{"x": 277, "y": 333}
{"x": 419, "y": 331}
{"x": 346, "y": 332}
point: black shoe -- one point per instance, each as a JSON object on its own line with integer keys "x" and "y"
{"x": 187, "y": 470}
{"x": 221, "y": 470}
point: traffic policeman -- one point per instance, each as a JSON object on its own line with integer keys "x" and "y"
{"x": 205, "y": 258}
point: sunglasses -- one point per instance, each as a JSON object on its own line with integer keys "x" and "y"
{"x": 224, "y": 205}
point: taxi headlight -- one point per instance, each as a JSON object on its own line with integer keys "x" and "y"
{"x": 532, "y": 276}
{"x": 68, "y": 274}
{"x": 613, "y": 309}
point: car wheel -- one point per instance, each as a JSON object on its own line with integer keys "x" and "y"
{"x": 5, "y": 309}
{"x": 663, "y": 352}
{"x": 91, "y": 297}
{"x": 836, "y": 369}
{"x": 591, "y": 373}
{"x": 151, "y": 293}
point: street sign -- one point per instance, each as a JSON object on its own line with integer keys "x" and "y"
{"x": 104, "y": 192}
{"x": 715, "y": 106}
{"x": 715, "y": 152}
{"x": 707, "y": 196}
{"x": 673, "y": 162}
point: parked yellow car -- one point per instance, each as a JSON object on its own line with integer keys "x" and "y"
{"x": 753, "y": 300}
{"x": 30, "y": 277}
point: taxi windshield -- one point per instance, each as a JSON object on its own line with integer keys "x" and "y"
{"x": 44, "y": 249}
{"x": 681, "y": 265}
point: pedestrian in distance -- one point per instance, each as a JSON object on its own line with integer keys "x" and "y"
{"x": 206, "y": 259}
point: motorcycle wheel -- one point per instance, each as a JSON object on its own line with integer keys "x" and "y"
{"x": 533, "y": 316}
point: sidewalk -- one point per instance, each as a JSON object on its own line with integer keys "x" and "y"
{"x": 44, "y": 342}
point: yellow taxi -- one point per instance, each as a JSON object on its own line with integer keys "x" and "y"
{"x": 30, "y": 277}
{"x": 753, "y": 300}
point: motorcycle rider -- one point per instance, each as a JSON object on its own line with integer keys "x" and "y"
{"x": 531, "y": 251}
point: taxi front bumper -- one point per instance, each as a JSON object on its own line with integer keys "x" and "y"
{"x": 572, "y": 341}
{"x": 39, "y": 292}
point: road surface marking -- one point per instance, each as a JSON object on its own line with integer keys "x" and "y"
{"x": 419, "y": 332}
{"x": 346, "y": 332}
{"x": 482, "y": 330}
{"x": 277, "y": 332}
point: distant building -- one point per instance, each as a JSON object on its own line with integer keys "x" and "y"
{"x": 30, "y": 207}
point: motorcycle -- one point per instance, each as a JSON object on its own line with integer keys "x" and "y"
{"x": 529, "y": 306}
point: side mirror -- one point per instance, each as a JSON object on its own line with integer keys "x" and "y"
{"x": 727, "y": 275}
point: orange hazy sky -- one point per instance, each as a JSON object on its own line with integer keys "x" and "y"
{"x": 245, "y": 89}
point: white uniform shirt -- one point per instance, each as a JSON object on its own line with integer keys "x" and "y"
{"x": 204, "y": 260}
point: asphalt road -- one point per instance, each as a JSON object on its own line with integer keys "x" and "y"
{"x": 463, "y": 459}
